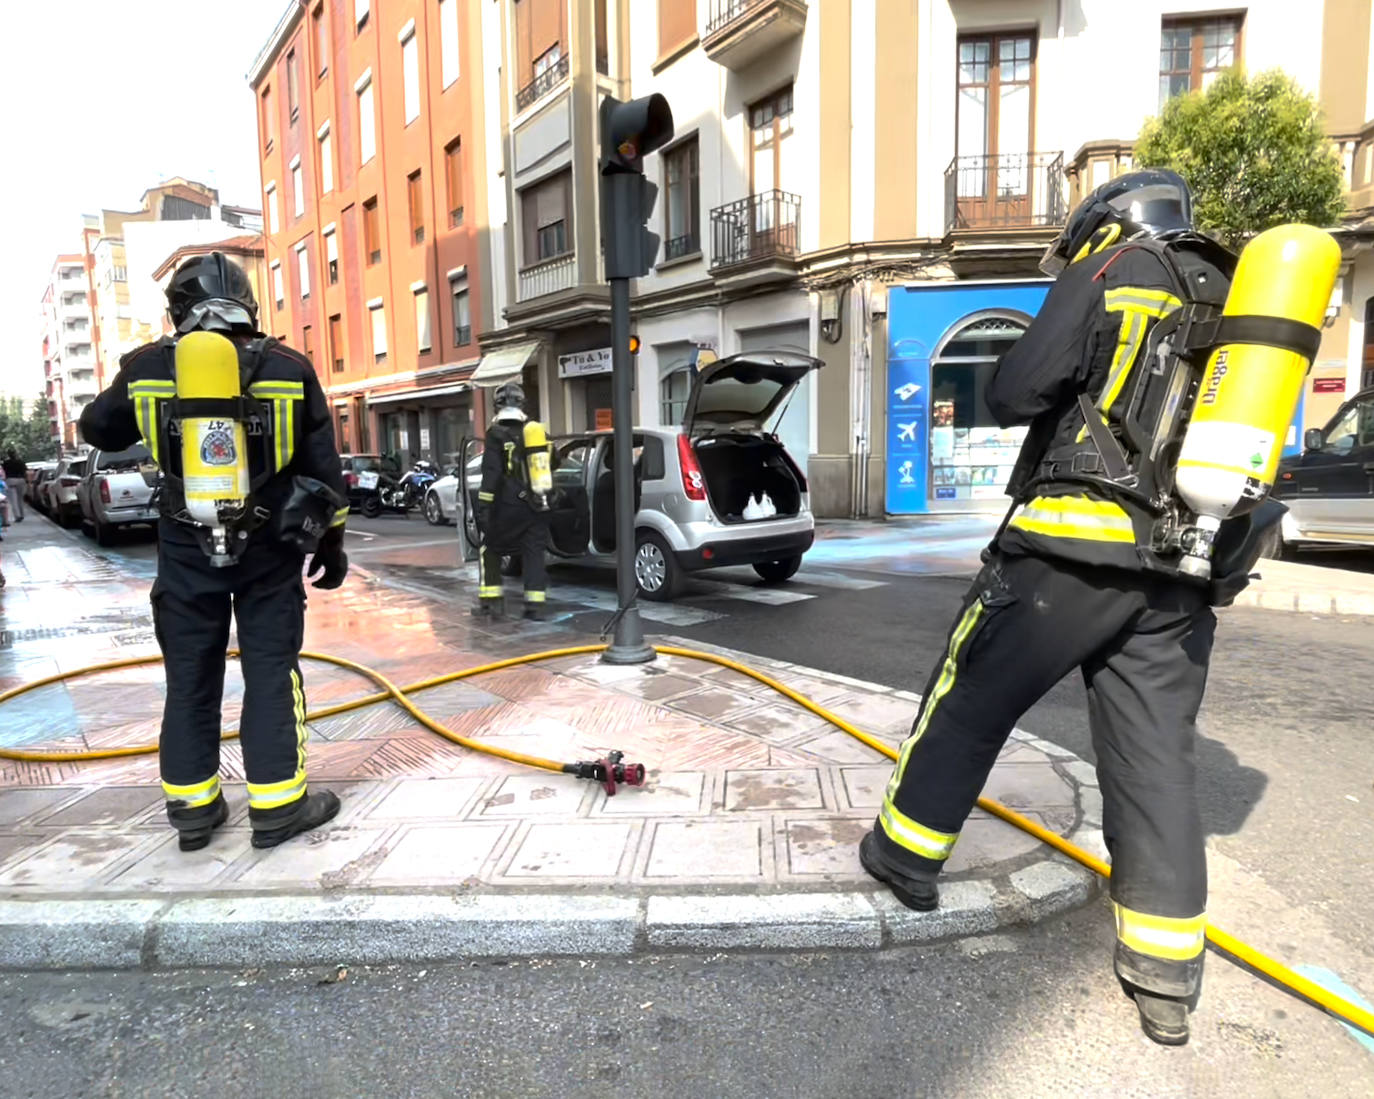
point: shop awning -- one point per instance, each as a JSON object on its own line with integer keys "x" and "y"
{"x": 420, "y": 394}
{"x": 501, "y": 366}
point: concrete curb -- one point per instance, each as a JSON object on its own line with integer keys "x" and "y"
{"x": 372, "y": 929}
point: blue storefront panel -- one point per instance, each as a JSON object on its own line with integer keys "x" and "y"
{"x": 921, "y": 321}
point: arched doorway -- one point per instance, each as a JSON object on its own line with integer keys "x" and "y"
{"x": 971, "y": 457}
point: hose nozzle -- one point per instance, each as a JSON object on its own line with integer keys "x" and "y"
{"x": 611, "y": 771}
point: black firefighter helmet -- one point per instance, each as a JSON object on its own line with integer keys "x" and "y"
{"x": 1153, "y": 201}
{"x": 510, "y": 395}
{"x": 211, "y": 294}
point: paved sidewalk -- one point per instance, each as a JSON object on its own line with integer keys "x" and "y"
{"x": 744, "y": 837}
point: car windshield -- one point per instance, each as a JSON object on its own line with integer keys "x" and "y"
{"x": 76, "y": 469}
{"x": 365, "y": 464}
{"x": 131, "y": 458}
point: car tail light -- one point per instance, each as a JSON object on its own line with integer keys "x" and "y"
{"x": 350, "y": 479}
{"x": 693, "y": 484}
{"x": 104, "y": 492}
{"x": 69, "y": 481}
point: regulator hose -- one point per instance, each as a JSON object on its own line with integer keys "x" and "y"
{"x": 1271, "y": 967}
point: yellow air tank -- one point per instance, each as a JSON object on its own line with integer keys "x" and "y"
{"x": 214, "y": 451}
{"x": 1249, "y": 393}
{"x": 537, "y": 455}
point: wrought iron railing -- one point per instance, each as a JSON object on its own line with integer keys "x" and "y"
{"x": 542, "y": 84}
{"x": 757, "y": 227}
{"x": 724, "y": 12}
{"x": 677, "y": 247}
{"x": 1005, "y": 191}
{"x": 548, "y": 277}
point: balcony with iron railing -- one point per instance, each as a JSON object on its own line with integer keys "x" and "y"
{"x": 761, "y": 230}
{"x": 739, "y": 32}
{"x": 543, "y": 83}
{"x": 547, "y": 277}
{"x": 1005, "y": 191}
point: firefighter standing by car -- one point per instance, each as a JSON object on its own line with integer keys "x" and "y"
{"x": 1073, "y": 580}
{"x": 513, "y": 505}
{"x": 252, "y": 484}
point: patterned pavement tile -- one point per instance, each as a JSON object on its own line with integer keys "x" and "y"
{"x": 76, "y": 860}
{"x": 666, "y": 793}
{"x": 751, "y": 791}
{"x": 438, "y": 854}
{"x": 17, "y": 803}
{"x": 581, "y": 849}
{"x": 111, "y": 805}
{"x": 826, "y": 845}
{"x": 707, "y": 849}
{"x": 426, "y": 799}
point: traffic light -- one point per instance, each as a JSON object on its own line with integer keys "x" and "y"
{"x": 629, "y": 130}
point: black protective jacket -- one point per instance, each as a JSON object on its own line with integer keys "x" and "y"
{"x": 1092, "y": 336}
{"x": 293, "y": 435}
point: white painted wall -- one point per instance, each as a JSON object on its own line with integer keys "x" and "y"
{"x": 659, "y": 339}
{"x": 1097, "y": 71}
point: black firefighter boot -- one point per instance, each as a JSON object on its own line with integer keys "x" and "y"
{"x": 918, "y": 894}
{"x": 195, "y": 826}
{"x": 1173, "y": 992}
{"x": 493, "y": 610}
{"x": 274, "y": 826}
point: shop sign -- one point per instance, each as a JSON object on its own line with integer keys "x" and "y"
{"x": 424, "y": 438}
{"x": 580, "y": 364}
{"x": 1328, "y": 385}
{"x": 603, "y": 419}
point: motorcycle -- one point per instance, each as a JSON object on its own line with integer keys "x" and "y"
{"x": 416, "y": 482}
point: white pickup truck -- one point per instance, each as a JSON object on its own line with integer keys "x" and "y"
{"x": 117, "y": 490}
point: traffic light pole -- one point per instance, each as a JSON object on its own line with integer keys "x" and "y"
{"x": 629, "y": 646}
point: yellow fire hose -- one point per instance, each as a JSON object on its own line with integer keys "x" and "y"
{"x": 1270, "y": 967}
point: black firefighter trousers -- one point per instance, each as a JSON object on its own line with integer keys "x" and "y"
{"x": 192, "y": 603}
{"x": 1143, "y": 644}
{"x": 525, "y": 537}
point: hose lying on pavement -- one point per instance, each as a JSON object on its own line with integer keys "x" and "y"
{"x": 1270, "y": 967}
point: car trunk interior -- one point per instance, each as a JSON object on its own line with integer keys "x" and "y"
{"x": 737, "y": 468}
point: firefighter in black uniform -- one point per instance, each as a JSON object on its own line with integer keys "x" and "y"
{"x": 513, "y": 505}
{"x": 297, "y": 504}
{"x": 1066, "y": 584}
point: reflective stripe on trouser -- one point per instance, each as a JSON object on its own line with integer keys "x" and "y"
{"x": 1143, "y": 644}
{"x": 195, "y": 794}
{"x": 489, "y": 573}
{"x": 1175, "y": 939}
{"x": 192, "y": 604}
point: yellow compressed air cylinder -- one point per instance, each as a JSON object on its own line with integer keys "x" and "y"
{"x": 214, "y": 450}
{"x": 1249, "y": 393}
{"x": 537, "y": 457}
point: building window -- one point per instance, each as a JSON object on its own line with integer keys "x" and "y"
{"x": 360, "y": 12}
{"x": 308, "y": 344}
{"x": 298, "y": 186}
{"x": 269, "y": 131}
{"x": 677, "y": 24}
{"x": 1193, "y": 51}
{"x": 672, "y": 393}
{"x": 453, "y": 170}
{"x": 278, "y": 289}
{"x": 273, "y": 216}
{"x": 448, "y": 39}
{"x": 292, "y": 91}
{"x": 410, "y": 74}
{"x": 546, "y": 214}
{"x": 378, "y": 330}
{"x": 770, "y": 126}
{"x": 336, "y": 352}
{"x": 326, "y": 160}
{"x": 372, "y": 232}
{"x": 303, "y": 269}
{"x": 331, "y": 255}
{"x": 423, "y": 338}
{"x": 462, "y": 318}
{"x": 415, "y": 201}
{"x": 321, "y": 43}
{"x": 367, "y": 119}
{"x": 682, "y": 210}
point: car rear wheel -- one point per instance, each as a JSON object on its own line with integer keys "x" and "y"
{"x": 775, "y": 572}
{"x": 434, "y": 510}
{"x": 657, "y": 575}
{"x": 372, "y": 507}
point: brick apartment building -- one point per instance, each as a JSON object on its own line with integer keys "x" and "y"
{"x": 368, "y": 125}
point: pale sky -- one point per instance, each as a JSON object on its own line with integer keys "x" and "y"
{"x": 102, "y": 100}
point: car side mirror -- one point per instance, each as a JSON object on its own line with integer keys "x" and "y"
{"x": 1312, "y": 438}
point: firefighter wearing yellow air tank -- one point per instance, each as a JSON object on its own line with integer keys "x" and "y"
{"x": 513, "y": 504}
{"x": 251, "y": 486}
{"x": 1082, "y": 576}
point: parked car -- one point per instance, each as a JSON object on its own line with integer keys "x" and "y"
{"x": 1329, "y": 488}
{"x": 38, "y": 487}
{"x": 702, "y": 490}
{"x": 372, "y": 481}
{"x": 441, "y": 498}
{"x": 117, "y": 490}
{"x": 33, "y": 477}
{"x": 61, "y": 500}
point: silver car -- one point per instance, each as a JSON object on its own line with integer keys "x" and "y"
{"x": 720, "y": 490}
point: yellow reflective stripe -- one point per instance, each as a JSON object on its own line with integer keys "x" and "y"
{"x": 486, "y": 497}
{"x": 340, "y": 517}
{"x": 195, "y": 795}
{"x": 273, "y": 795}
{"x": 1137, "y": 306}
{"x": 1075, "y": 517}
{"x": 486, "y": 592}
{"x": 915, "y": 837}
{"x": 154, "y": 386}
{"x": 260, "y": 797}
{"x": 1158, "y": 303}
{"x": 535, "y": 596}
{"x": 1173, "y": 939}
{"x": 277, "y": 389}
{"x": 948, "y": 672}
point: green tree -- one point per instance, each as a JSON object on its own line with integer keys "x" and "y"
{"x": 1254, "y": 151}
{"x": 31, "y": 435}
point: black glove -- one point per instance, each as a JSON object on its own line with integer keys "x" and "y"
{"x": 331, "y": 559}
{"x": 483, "y": 518}
{"x": 1237, "y": 549}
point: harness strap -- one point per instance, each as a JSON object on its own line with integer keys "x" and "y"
{"x": 1290, "y": 335}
